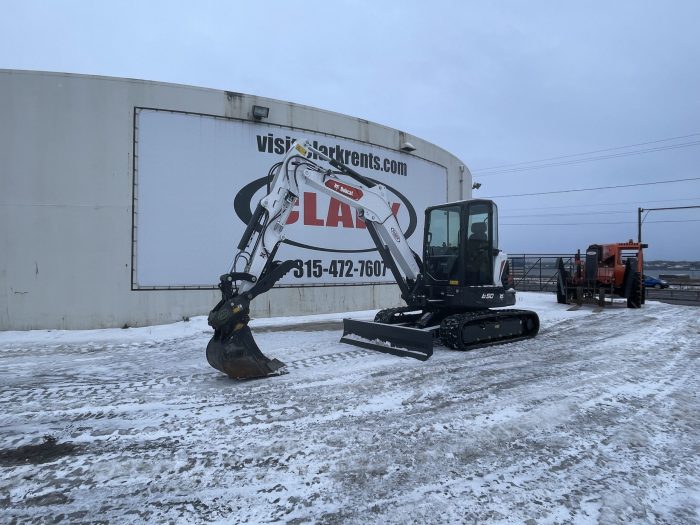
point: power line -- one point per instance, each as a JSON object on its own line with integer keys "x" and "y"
{"x": 591, "y": 159}
{"x": 567, "y": 214}
{"x": 585, "y": 153}
{"x": 587, "y": 223}
{"x": 601, "y": 212}
{"x": 593, "y": 189}
{"x": 636, "y": 203}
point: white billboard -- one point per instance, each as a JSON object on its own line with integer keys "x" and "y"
{"x": 197, "y": 179}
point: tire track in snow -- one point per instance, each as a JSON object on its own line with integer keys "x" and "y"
{"x": 366, "y": 437}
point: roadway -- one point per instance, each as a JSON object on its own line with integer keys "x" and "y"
{"x": 675, "y": 296}
{"x": 681, "y": 295}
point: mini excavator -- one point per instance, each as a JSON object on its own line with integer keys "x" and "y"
{"x": 449, "y": 293}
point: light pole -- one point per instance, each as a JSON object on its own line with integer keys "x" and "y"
{"x": 639, "y": 225}
{"x": 640, "y": 220}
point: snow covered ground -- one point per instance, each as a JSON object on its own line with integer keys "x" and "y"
{"x": 597, "y": 420}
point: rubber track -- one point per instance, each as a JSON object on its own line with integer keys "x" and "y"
{"x": 451, "y": 328}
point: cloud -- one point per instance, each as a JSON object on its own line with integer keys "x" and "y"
{"x": 492, "y": 83}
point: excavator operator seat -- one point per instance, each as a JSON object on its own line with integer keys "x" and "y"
{"x": 478, "y": 232}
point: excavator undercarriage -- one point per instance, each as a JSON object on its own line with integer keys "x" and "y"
{"x": 399, "y": 331}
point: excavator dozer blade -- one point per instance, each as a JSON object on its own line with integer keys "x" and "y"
{"x": 239, "y": 357}
{"x": 390, "y": 339}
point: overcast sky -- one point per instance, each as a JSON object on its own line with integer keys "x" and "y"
{"x": 494, "y": 83}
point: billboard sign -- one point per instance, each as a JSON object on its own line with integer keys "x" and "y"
{"x": 198, "y": 179}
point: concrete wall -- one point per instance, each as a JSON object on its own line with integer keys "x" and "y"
{"x": 66, "y": 145}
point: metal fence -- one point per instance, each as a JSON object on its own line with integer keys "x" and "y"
{"x": 537, "y": 272}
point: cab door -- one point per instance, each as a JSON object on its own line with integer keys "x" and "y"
{"x": 481, "y": 242}
{"x": 443, "y": 244}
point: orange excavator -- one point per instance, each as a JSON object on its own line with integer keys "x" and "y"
{"x": 608, "y": 270}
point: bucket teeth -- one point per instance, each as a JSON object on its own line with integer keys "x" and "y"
{"x": 239, "y": 357}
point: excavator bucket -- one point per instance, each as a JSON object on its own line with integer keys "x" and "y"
{"x": 239, "y": 357}
{"x": 390, "y": 339}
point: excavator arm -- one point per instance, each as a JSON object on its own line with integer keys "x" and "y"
{"x": 232, "y": 350}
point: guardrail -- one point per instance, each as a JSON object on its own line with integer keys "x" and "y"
{"x": 684, "y": 285}
{"x": 676, "y": 296}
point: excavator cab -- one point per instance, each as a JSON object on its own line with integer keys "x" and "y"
{"x": 463, "y": 266}
{"x": 461, "y": 242}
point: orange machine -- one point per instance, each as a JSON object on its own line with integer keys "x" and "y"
{"x": 608, "y": 270}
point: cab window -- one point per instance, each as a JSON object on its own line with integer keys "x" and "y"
{"x": 443, "y": 243}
